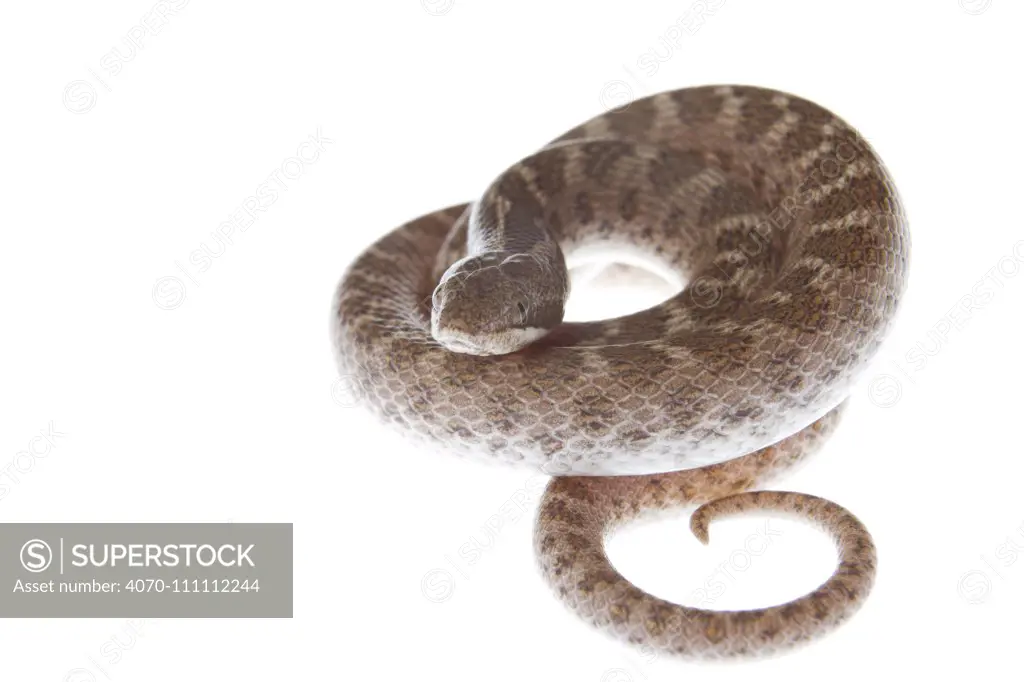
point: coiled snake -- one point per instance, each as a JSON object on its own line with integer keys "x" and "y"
{"x": 790, "y": 238}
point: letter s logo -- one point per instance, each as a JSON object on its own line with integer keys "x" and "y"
{"x": 36, "y": 556}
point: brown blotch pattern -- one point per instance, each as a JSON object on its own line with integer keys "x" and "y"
{"x": 795, "y": 253}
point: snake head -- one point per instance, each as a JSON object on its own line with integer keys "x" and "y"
{"x": 497, "y": 302}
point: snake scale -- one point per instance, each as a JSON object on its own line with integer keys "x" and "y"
{"x": 790, "y": 243}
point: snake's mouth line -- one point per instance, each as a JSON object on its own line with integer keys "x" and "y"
{"x": 499, "y": 343}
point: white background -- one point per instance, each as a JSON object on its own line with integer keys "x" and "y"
{"x": 211, "y": 397}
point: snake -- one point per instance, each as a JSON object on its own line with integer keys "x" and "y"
{"x": 789, "y": 248}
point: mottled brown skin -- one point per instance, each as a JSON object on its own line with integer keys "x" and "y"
{"x": 794, "y": 246}
{"x": 577, "y": 515}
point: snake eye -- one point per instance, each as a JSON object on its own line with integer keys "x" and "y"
{"x": 522, "y": 309}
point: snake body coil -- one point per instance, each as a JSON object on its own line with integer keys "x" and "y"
{"x": 789, "y": 236}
